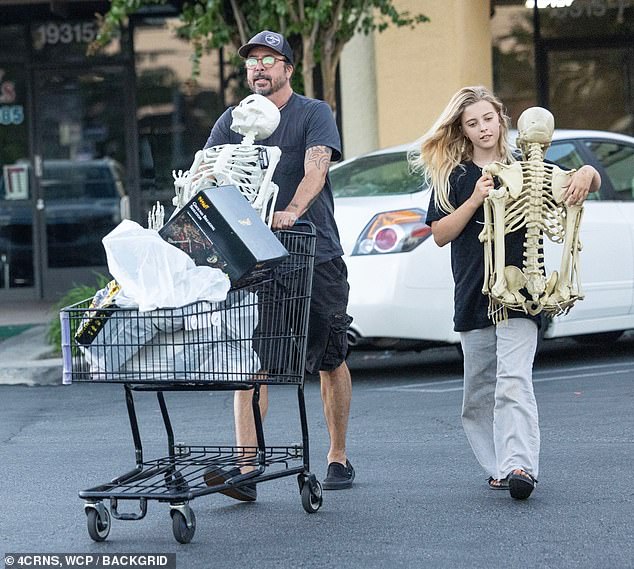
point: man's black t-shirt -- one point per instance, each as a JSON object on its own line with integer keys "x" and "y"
{"x": 304, "y": 123}
{"x": 467, "y": 254}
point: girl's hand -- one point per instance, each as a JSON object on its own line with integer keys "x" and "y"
{"x": 583, "y": 181}
{"x": 482, "y": 188}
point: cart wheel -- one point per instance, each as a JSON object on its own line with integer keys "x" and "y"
{"x": 182, "y": 533}
{"x": 311, "y": 496}
{"x": 176, "y": 482}
{"x": 98, "y": 526}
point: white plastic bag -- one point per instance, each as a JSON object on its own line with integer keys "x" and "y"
{"x": 154, "y": 274}
{"x": 218, "y": 344}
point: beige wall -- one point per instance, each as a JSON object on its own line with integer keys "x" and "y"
{"x": 359, "y": 96}
{"x": 415, "y": 72}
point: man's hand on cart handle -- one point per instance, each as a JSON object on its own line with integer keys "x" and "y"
{"x": 283, "y": 219}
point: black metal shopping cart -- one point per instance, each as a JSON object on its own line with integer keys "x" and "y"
{"x": 256, "y": 336}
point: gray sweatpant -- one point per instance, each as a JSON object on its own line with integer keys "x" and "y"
{"x": 499, "y": 411}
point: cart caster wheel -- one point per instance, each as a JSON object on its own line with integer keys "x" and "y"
{"x": 311, "y": 496}
{"x": 182, "y": 533}
{"x": 176, "y": 482}
{"x": 98, "y": 525}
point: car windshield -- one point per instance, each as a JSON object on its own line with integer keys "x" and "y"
{"x": 379, "y": 175}
{"x": 65, "y": 180}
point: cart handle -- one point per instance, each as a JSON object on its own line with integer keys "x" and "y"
{"x": 304, "y": 226}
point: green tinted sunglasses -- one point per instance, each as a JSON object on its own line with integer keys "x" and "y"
{"x": 267, "y": 61}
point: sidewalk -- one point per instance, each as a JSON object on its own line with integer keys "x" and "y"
{"x": 25, "y": 357}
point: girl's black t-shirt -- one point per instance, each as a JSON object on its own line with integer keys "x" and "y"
{"x": 467, "y": 254}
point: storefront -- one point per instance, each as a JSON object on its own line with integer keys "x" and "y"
{"x": 88, "y": 140}
{"x": 575, "y": 57}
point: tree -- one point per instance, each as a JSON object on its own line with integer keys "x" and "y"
{"x": 316, "y": 29}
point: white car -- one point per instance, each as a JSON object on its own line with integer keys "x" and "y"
{"x": 401, "y": 287}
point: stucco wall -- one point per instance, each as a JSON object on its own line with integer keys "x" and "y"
{"x": 415, "y": 72}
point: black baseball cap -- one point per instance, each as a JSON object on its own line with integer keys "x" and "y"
{"x": 273, "y": 40}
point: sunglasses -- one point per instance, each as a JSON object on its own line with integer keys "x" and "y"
{"x": 267, "y": 61}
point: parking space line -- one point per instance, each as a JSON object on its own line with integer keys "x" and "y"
{"x": 427, "y": 387}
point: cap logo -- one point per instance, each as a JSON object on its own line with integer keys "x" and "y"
{"x": 273, "y": 39}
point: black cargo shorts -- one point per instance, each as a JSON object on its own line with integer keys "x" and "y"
{"x": 328, "y": 322}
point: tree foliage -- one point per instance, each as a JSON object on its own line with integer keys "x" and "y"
{"x": 316, "y": 29}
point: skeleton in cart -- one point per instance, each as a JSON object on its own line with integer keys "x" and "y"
{"x": 247, "y": 166}
{"x": 531, "y": 197}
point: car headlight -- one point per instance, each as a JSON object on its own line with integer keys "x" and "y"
{"x": 393, "y": 232}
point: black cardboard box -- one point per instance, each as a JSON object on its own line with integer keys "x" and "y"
{"x": 219, "y": 228}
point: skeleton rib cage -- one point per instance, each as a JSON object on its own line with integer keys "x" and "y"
{"x": 530, "y": 197}
{"x": 249, "y": 167}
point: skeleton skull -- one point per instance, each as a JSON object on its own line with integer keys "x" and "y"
{"x": 535, "y": 124}
{"x": 255, "y": 118}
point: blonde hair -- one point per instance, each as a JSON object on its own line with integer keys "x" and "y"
{"x": 444, "y": 146}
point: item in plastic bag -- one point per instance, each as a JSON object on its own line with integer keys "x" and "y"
{"x": 218, "y": 344}
{"x": 135, "y": 345}
{"x": 122, "y": 335}
{"x": 154, "y": 274}
{"x": 98, "y": 312}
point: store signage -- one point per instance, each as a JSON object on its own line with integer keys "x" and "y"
{"x": 592, "y": 9}
{"x": 10, "y": 113}
{"x": 64, "y": 33}
{"x": 16, "y": 182}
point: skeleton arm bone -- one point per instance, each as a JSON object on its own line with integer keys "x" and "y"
{"x": 566, "y": 288}
{"x": 265, "y": 202}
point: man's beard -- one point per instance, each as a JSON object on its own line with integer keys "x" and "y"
{"x": 274, "y": 85}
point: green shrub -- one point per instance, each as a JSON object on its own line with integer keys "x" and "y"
{"x": 76, "y": 294}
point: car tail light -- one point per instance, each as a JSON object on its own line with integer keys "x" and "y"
{"x": 393, "y": 232}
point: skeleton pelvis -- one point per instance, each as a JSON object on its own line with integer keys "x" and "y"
{"x": 507, "y": 289}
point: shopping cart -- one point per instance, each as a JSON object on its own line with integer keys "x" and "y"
{"x": 256, "y": 336}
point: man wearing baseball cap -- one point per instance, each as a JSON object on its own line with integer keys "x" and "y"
{"x": 276, "y": 42}
{"x": 308, "y": 137}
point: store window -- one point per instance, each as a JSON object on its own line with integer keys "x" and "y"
{"x": 16, "y": 218}
{"x": 586, "y": 18}
{"x": 514, "y": 57}
{"x": 175, "y": 111}
{"x": 579, "y": 64}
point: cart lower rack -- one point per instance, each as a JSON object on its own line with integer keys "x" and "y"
{"x": 256, "y": 336}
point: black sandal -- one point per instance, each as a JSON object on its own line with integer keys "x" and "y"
{"x": 498, "y": 483}
{"x": 521, "y": 484}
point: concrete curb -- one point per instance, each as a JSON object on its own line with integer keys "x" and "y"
{"x": 24, "y": 359}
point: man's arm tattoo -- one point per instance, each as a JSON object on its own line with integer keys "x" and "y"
{"x": 318, "y": 156}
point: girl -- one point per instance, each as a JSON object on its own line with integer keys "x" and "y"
{"x": 499, "y": 411}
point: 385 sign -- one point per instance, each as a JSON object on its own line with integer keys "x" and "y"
{"x": 10, "y": 113}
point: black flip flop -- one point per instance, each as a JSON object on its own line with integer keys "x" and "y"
{"x": 521, "y": 484}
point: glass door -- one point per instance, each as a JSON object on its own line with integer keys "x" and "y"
{"x": 592, "y": 88}
{"x": 17, "y": 232}
{"x": 81, "y": 143}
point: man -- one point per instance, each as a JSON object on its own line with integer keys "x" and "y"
{"x": 309, "y": 140}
